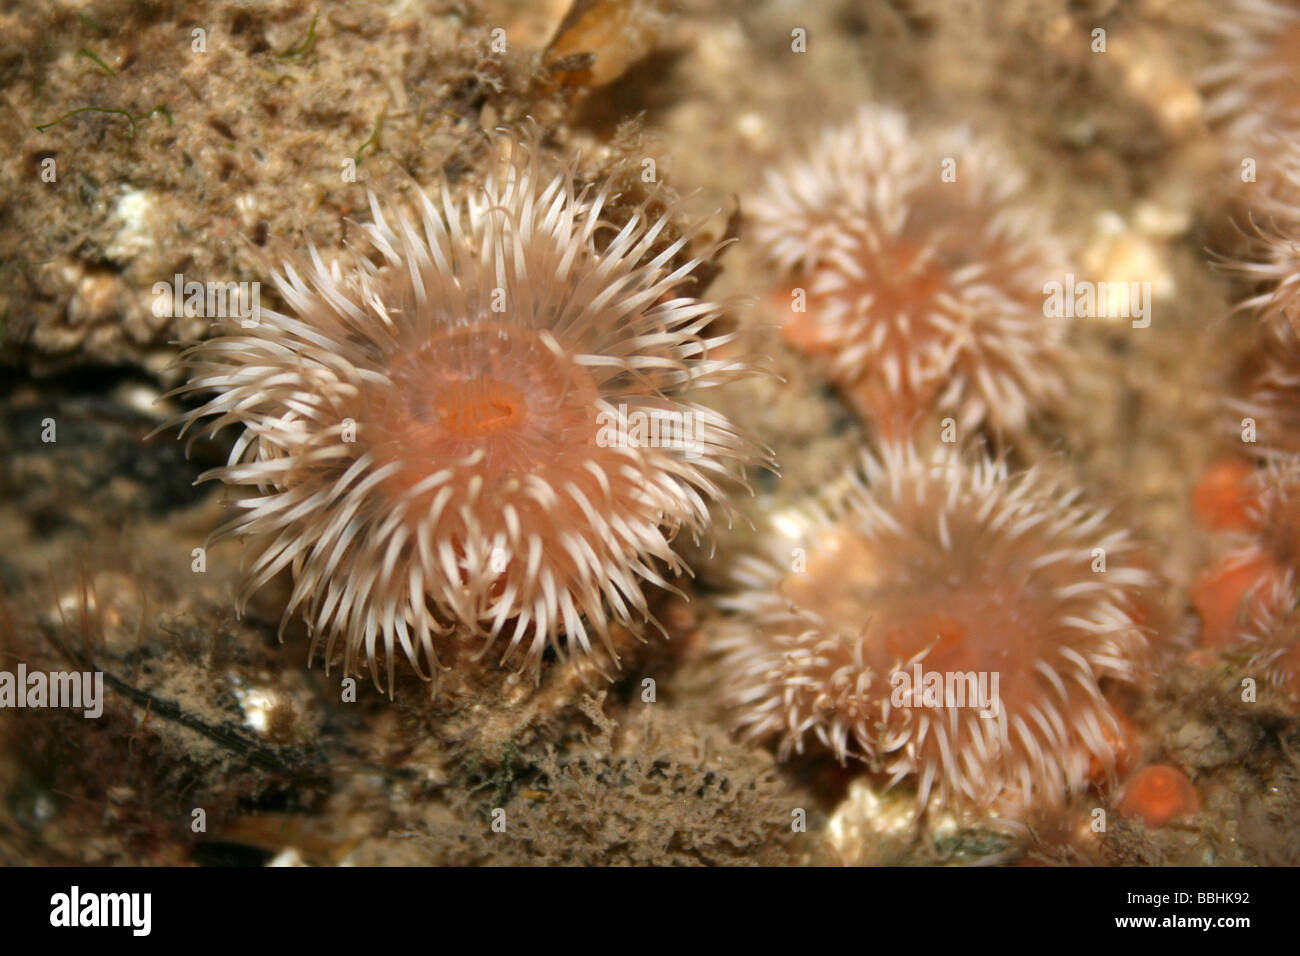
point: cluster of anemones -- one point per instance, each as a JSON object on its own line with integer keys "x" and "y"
{"x": 1004, "y": 588}
{"x": 918, "y": 266}
{"x": 446, "y": 446}
{"x": 423, "y": 440}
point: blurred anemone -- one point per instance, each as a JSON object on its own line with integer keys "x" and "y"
{"x": 924, "y": 266}
{"x": 947, "y": 568}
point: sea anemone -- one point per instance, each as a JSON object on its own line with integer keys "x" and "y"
{"x": 1272, "y": 638}
{"x": 1277, "y": 268}
{"x": 1268, "y": 414}
{"x": 924, "y": 268}
{"x": 1248, "y": 600}
{"x": 943, "y": 567}
{"x": 1252, "y": 89}
{"x": 1275, "y": 510}
{"x": 1272, "y": 402}
{"x": 1271, "y": 263}
{"x": 1225, "y": 593}
{"x": 1245, "y": 581}
{"x": 1252, "y": 105}
{"x": 481, "y": 431}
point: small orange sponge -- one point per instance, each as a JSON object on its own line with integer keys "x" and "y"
{"x": 1159, "y": 794}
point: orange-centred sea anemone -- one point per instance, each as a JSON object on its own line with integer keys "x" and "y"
{"x": 483, "y": 434}
{"x": 944, "y": 620}
{"x": 919, "y": 266}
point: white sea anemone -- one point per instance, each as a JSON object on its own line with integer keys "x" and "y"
{"x": 443, "y": 447}
{"x": 949, "y": 565}
{"x": 1272, "y": 637}
{"x": 924, "y": 267}
{"x": 1253, "y": 87}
